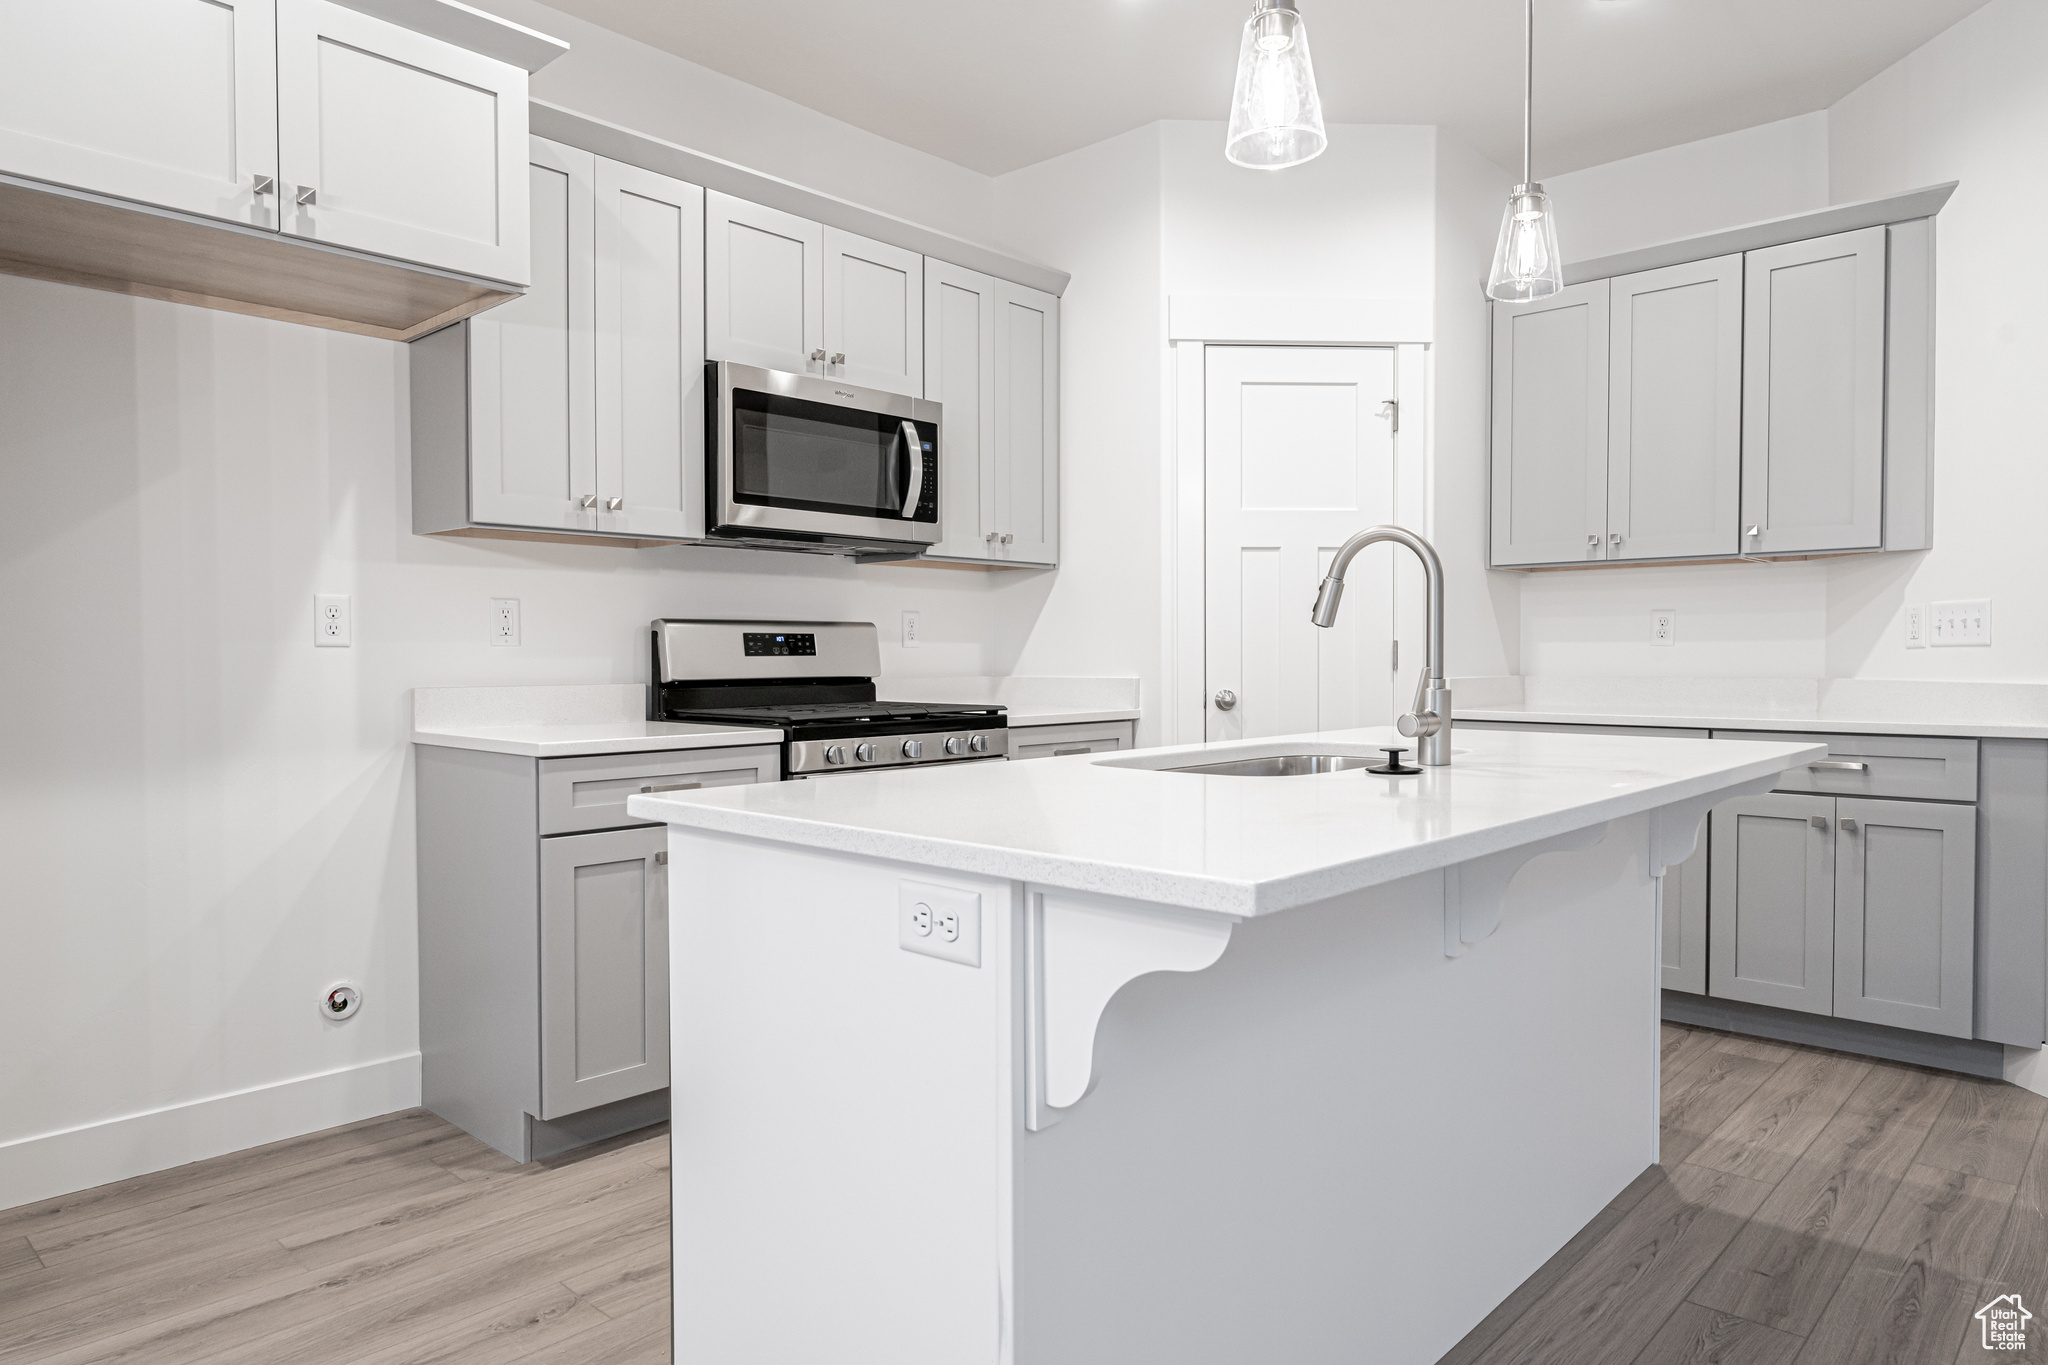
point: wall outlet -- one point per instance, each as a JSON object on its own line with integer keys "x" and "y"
{"x": 1959, "y": 623}
{"x": 1663, "y": 626}
{"x": 504, "y": 620}
{"x": 939, "y": 921}
{"x": 333, "y": 626}
{"x": 910, "y": 630}
{"x": 1916, "y": 627}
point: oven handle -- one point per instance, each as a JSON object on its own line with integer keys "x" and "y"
{"x": 913, "y": 449}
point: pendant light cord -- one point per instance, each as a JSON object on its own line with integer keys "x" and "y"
{"x": 1528, "y": 82}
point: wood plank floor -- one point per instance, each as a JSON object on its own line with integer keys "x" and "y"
{"x": 1813, "y": 1209}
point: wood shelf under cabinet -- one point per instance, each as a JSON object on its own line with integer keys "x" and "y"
{"x": 67, "y": 237}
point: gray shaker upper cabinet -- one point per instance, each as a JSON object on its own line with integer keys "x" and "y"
{"x": 1674, "y": 411}
{"x": 1550, "y": 428}
{"x": 1813, "y": 444}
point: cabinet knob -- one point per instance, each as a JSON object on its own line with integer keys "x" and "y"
{"x": 1592, "y": 538}
{"x": 1614, "y": 539}
{"x": 1848, "y": 825}
{"x": 614, "y": 504}
{"x": 1819, "y": 822}
{"x": 818, "y": 354}
{"x": 1753, "y": 532}
{"x": 306, "y": 195}
{"x": 839, "y": 357}
{"x": 587, "y": 501}
{"x": 264, "y": 185}
{"x": 1007, "y": 537}
{"x": 990, "y": 537}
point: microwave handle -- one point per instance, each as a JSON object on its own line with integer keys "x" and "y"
{"x": 912, "y": 448}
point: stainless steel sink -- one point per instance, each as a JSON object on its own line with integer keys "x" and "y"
{"x": 1280, "y": 765}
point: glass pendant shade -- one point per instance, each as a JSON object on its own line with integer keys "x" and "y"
{"x": 1526, "y": 265}
{"x": 1276, "y": 119}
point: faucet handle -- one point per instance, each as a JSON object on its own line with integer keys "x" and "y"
{"x": 1420, "y": 722}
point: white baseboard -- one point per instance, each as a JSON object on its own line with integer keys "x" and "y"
{"x": 2027, "y": 1068}
{"x": 72, "y": 1159}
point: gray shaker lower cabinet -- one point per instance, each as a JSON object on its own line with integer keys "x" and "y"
{"x": 1905, "y": 875}
{"x": 1772, "y": 902}
{"x": 543, "y": 930}
{"x": 1058, "y": 741}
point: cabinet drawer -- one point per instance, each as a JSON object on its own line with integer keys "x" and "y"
{"x": 1057, "y": 741}
{"x": 579, "y": 794}
{"x": 1913, "y": 768}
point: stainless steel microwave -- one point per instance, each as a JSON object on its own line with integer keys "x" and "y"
{"x": 806, "y": 462}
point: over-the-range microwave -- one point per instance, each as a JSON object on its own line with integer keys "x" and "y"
{"x": 807, "y": 462}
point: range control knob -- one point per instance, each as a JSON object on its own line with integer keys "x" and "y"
{"x": 865, "y": 753}
{"x": 978, "y": 744}
{"x": 955, "y": 744}
{"x": 835, "y": 753}
{"x": 913, "y": 748}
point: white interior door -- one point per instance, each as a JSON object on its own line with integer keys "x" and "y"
{"x": 1298, "y": 458}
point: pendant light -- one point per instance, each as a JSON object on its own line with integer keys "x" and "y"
{"x": 1526, "y": 264}
{"x": 1276, "y": 120}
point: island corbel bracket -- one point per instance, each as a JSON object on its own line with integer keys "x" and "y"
{"x": 1079, "y": 951}
{"x": 1675, "y": 829}
{"x": 1474, "y": 890}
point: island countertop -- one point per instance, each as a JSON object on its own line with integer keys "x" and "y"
{"x": 1241, "y": 846}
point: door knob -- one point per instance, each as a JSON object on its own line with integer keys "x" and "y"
{"x": 1225, "y": 699}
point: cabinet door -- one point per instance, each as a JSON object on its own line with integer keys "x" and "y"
{"x": 1905, "y": 914}
{"x": 532, "y": 375}
{"x": 1771, "y": 901}
{"x": 763, "y": 286}
{"x": 650, "y": 353}
{"x": 873, "y": 314}
{"x": 1813, "y": 396}
{"x": 1060, "y": 741}
{"x": 603, "y": 968}
{"x": 399, "y": 144}
{"x": 1549, "y": 459}
{"x": 1674, "y": 429}
{"x": 1683, "y": 905}
{"x": 960, "y": 375}
{"x": 167, "y": 102}
{"x": 1020, "y": 489}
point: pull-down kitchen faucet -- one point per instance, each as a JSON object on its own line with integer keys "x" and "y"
{"x": 1429, "y": 718}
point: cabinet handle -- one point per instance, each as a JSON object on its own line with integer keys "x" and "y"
{"x": 1819, "y": 822}
{"x": 587, "y": 501}
{"x": 1848, "y": 825}
{"x": 818, "y": 354}
{"x": 1837, "y": 765}
{"x": 1067, "y": 753}
{"x": 264, "y": 185}
{"x": 306, "y": 195}
{"x": 614, "y": 504}
{"x": 674, "y": 787}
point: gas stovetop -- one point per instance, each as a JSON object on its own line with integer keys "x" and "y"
{"x": 815, "y": 681}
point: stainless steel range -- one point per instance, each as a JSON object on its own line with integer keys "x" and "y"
{"x": 815, "y": 681}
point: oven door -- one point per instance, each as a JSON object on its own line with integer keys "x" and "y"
{"x": 816, "y": 459}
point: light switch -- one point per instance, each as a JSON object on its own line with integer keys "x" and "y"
{"x": 1959, "y": 623}
{"x": 939, "y": 921}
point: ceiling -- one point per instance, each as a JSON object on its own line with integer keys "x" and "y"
{"x": 998, "y": 84}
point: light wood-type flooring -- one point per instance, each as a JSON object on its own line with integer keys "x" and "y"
{"x": 1812, "y": 1209}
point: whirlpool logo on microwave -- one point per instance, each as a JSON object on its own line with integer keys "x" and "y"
{"x": 844, "y": 394}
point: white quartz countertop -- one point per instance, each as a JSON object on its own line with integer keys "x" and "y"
{"x": 1236, "y": 845}
{"x": 596, "y": 737}
{"x": 1026, "y": 700}
{"x": 1854, "y": 706}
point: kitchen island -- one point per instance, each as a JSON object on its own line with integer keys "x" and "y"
{"x": 1092, "y": 1060}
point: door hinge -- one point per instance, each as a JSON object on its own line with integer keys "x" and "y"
{"x": 1391, "y": 412}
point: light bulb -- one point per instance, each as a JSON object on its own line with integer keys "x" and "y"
{"x": 1276, "y": 118}
{"x": 1526, "y": 265}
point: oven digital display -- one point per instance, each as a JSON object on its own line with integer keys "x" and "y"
{"x": 761, "y": 642}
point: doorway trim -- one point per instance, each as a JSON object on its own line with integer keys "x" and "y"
{"x": 1183, "y": 570}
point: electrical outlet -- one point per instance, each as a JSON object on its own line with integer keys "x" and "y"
{"x": 910, "y": 632}
{"x": 939, "y": 921}
{"x": 333, "y": 627}
{"x": 1959, "y": 623}
{"x": 1916, "y": 627}
{"x": 1663, "y": 626}
{"x": 504, "y": 620}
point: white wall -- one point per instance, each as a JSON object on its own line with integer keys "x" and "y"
{"x": 1972, "y": 105}
{"x": 1769, "y": 171}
